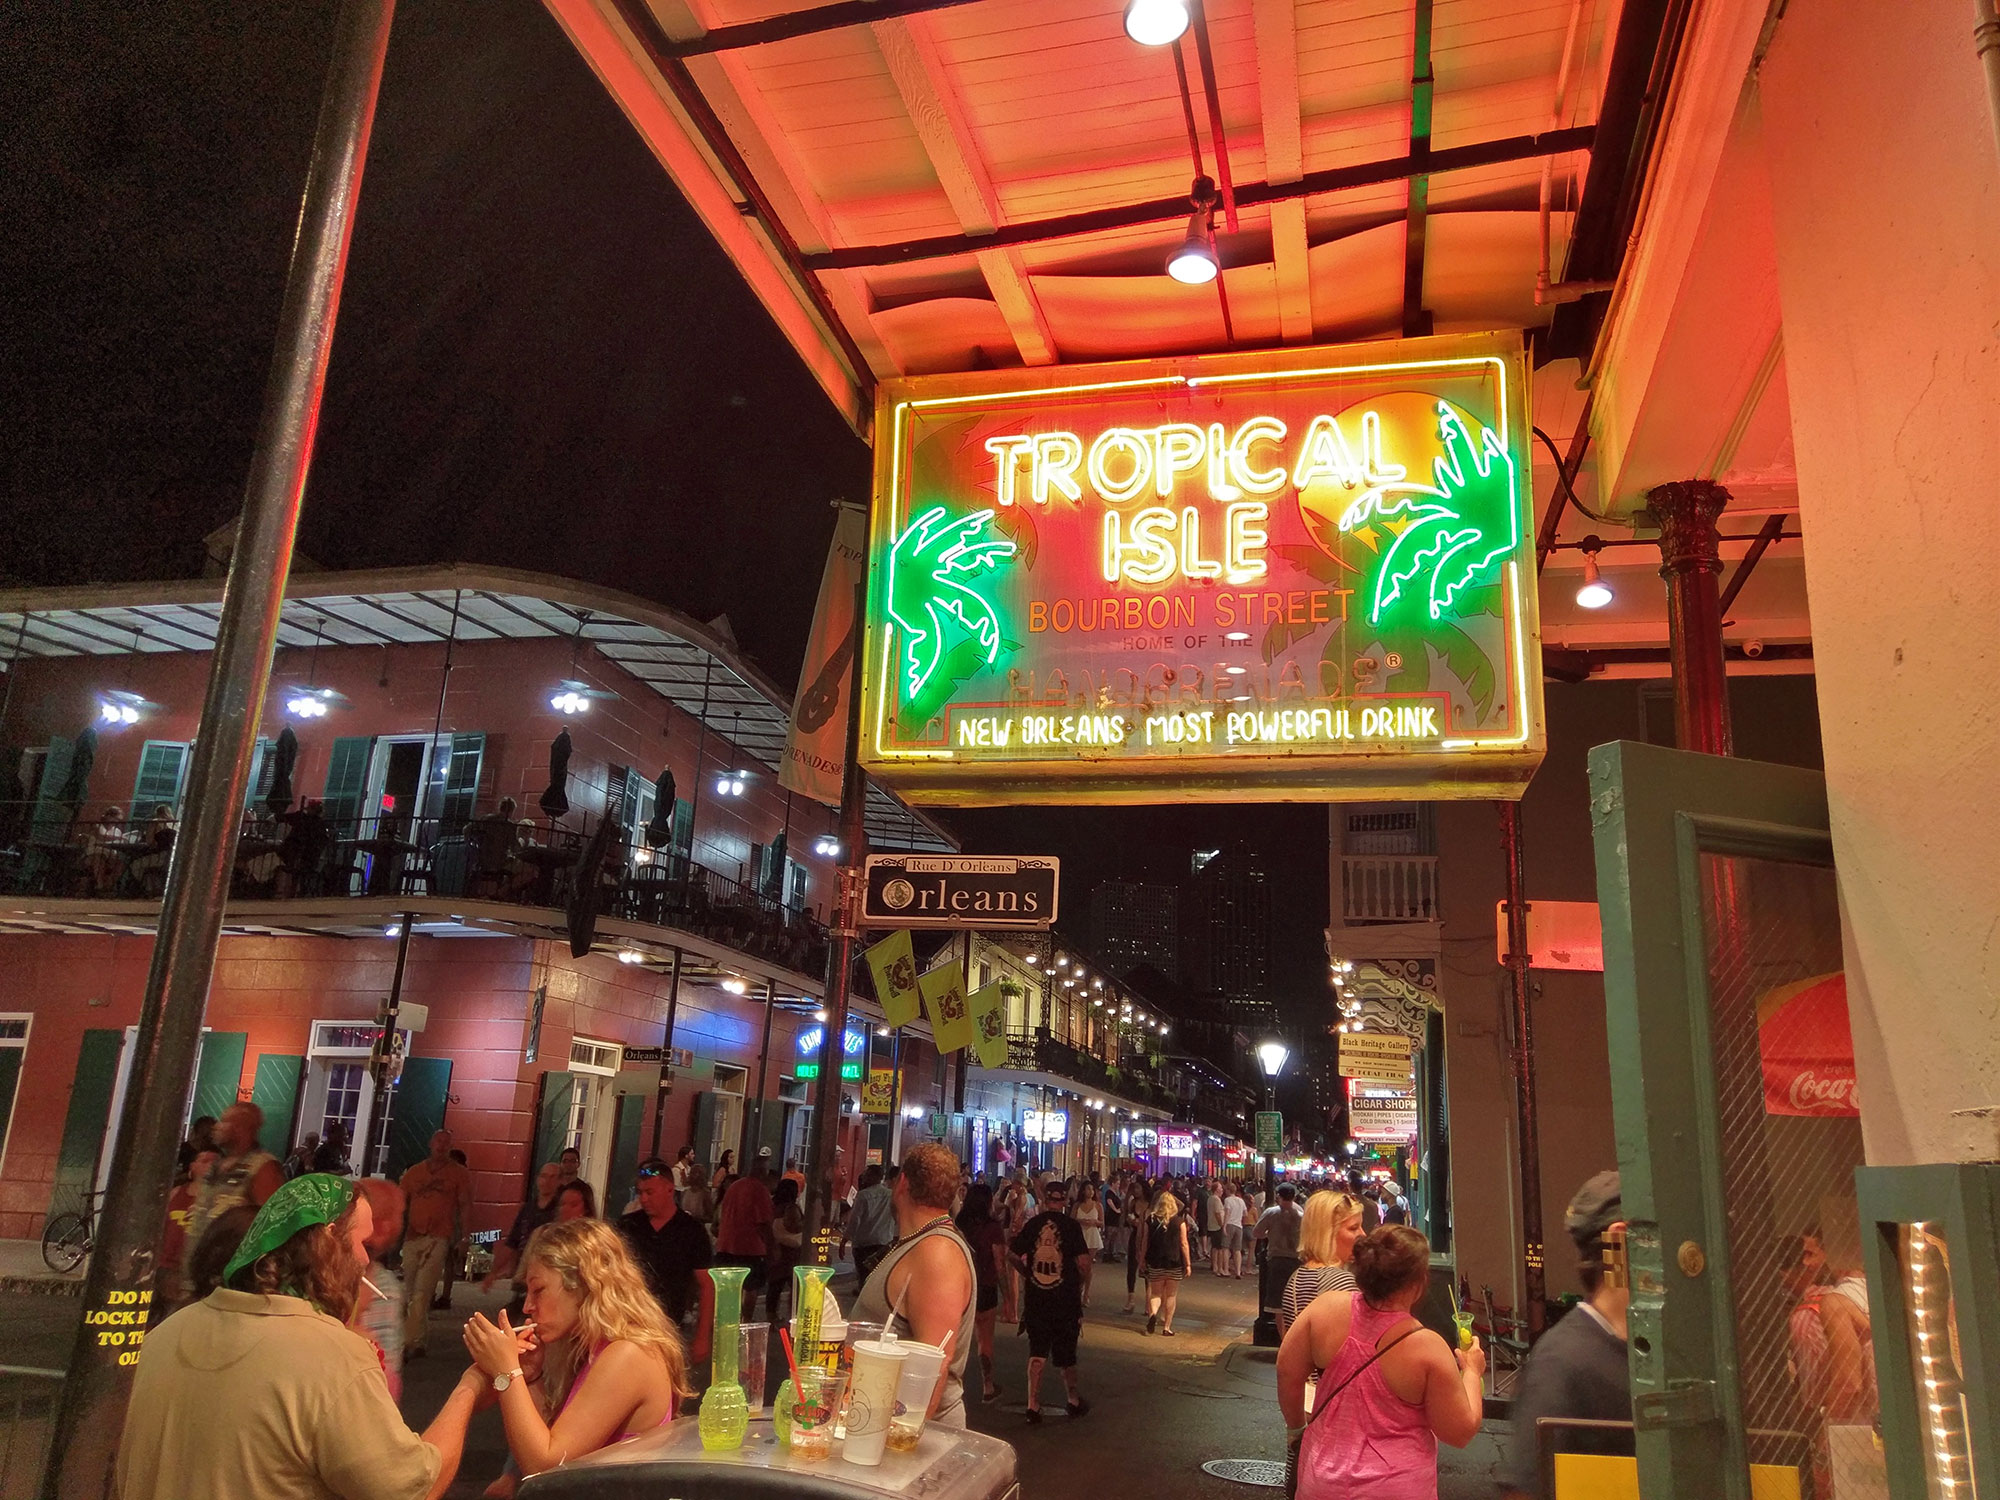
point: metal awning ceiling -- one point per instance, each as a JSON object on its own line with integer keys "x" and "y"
{"x": 695, "y": 667}
{"x": 930, "y": 185}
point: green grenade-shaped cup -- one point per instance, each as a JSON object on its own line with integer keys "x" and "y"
{"x": 725, "y": 1414}
{"x": 781, "y": 1412}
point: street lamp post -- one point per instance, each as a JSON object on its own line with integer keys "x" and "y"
{"x": 1271, "y": 1056}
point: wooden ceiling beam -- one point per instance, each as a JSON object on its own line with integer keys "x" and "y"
{"x": 1516, "y": 148}
{"x": 1284, "y": 162}
{"x": 1417, "y": 321}
{"x": 937, "y": 114}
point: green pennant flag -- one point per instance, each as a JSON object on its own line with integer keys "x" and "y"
{"x": 945, "y": 1002}
{"x": 989, "y": 1026}
{"x": 893, "y": 963}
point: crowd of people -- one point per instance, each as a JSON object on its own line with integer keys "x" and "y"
{"x": 278, "y": 1266}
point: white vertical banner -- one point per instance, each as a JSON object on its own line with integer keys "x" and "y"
{"x": 816, "y": 746}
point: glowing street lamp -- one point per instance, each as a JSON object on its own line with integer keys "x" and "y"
{"x": 1156, "y": 23}
{"x": 1593, "y": 592}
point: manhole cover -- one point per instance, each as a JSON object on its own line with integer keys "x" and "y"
{"x": 1258, "y": 1471}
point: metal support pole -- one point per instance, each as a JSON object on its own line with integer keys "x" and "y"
{"x": 755, "y": 1132}
{"x": 895, "y": 1152}
{"x": 1691, "y": 563}
{"x": 840, "y": 964}
{"x": 92, "y": 1412}
{"x": 667, "y": 1046}
{"x": 1535, "y": 1282}
{"x": 377, "y": 1145}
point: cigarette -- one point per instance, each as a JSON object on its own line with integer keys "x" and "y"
{"x": 374, "y": 1288}
{"x": 524, "y": 1328}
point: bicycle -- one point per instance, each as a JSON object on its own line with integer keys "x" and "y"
{"x": 68, "y": 1236}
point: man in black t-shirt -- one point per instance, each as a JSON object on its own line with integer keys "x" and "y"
{"x": 1053, "y": 1260}
{"x": 669, "y": 1245}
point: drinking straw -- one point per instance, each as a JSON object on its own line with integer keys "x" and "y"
{"x": 785, "y": 1337}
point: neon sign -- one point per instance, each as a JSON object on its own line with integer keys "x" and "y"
{"x": 808, "y": 1044}
{"x": 1230, "y": 577}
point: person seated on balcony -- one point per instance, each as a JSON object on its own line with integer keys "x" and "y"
{"x": 496, "y": 839}
{"x": 303, "y": 849}
{"x": 149, "y": 867}
{"x": 104, "y": 851}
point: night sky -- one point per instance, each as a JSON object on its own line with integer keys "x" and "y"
{"x": 542, "y": 359}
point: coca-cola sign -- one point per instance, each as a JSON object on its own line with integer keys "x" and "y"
{"x": 1807, "y": 1049}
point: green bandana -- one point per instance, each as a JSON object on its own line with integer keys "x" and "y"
{"x": 316, "y": 1198}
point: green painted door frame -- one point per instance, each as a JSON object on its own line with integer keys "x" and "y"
{"x": 1656, "y": 813}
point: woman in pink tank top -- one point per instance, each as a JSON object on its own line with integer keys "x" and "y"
{"x": 1389, "y": 1388}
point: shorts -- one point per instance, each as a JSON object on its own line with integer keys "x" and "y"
{"x": 757, "y": 1265}
{"x": 1053, "y": 1336}
{"x": 1232, "y": 1238}
{"x": 989, "y": 1299}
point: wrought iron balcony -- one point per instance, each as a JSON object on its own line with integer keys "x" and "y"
{"x": 302, "y": 854}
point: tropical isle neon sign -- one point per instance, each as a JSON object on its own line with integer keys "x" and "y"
{"x": 1233, "y": 577}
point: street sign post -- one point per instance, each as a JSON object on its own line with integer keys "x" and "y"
{"x": 1270, "y": 1132}
{"x": 959, "y": 891}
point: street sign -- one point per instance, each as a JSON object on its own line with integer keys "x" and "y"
{"x": 1392, "y": 1120}
{"x": 959, "y": 891}
{"x": 1233, "y": 577}
{"x": 1375, "y": 1057}
{"x": 1270, "y": 1131}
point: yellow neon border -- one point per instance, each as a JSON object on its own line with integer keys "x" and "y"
{"x": 1499, "y": 363}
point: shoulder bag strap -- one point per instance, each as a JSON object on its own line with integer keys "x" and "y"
{"x": 1324, "y": 1400}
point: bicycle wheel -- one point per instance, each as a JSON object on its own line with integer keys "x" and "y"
{"x": 65, "y": 1241}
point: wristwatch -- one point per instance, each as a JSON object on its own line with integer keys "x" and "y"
{"x": 501, "y": 1382}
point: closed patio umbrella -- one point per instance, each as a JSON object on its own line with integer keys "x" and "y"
{"x": 555, "y": 801}
{"x": 284, "y": 756}
{"x": 660, "y": 827}
{"x": 76, "y": 785}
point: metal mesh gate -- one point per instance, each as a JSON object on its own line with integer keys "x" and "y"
{"x": 1804, "y": 1366}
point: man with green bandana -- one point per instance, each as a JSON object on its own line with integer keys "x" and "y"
{"x": 262, "y": 1392}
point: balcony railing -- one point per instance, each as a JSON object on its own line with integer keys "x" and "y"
{"x": 1041, "y": 1053}
{"x": 301, "y": 854}
{"x": 1389, "y": 888}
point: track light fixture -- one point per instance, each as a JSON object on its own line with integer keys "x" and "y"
{"x": 1195, "y": 263}
{"x": 1593, "y": 592}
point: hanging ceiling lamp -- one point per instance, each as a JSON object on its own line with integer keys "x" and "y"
{"x": 1195, "y": 263}
{"x": 1593, "y": 592}
{"x": 1155, "y": 23}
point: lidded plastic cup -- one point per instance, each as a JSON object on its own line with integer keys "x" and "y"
{"x": 922, "y": 1364}
{"x": 871, "y": 1399}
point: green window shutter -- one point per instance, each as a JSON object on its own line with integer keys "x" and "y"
{"x": 635, "y": 790}
{"x": 263, "y": 768}
{"x": 162, "y": 765}
{"x": 552, "y": 1128}
{"x": 771, "y": 1130}
{"x": 219, "y": 1073}
{"x": 624, "y": 1174}
{"x": 346, "y": 779}
{"x": 416, "y": 1112}
{"x": 461, "y": 781}
{"x": 10, "y": 1076}
{"x": 706, "y": 1111}
{"x": 51, "y": 816}
{"x": 276, "y": 1092}
{"x": 89, "y": 1113}
{"x": 681, "y": 849}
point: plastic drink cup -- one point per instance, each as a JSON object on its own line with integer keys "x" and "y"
{"x": 1464, "y": 1321}
{"x": 871, "y": 1400}
{"x": 818, "y": 1393}
{"x": 752, "y": 1346}
{"x": 922, "y": 1364}
{"x": 850, "y": 1335}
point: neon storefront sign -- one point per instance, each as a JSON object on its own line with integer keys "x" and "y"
{"x": 808, "y": 1043}
{"x": 1233, "y": 577}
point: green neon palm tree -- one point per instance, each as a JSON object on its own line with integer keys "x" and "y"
{"x": 949, "y": 627}
{"x": 1448, "y": 533}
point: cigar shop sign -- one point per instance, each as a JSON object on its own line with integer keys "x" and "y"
{"x": 1232, "y": 577}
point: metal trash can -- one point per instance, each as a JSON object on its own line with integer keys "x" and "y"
{"x": 945, "y": 1465}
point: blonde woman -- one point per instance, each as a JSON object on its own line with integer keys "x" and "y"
{"x": 608, "y": 1363}
{"x": 1163, "y": 1246}
{"x": 1326, "y": 1253}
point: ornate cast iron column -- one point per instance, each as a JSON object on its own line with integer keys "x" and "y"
{"x": 1691, "y": 563}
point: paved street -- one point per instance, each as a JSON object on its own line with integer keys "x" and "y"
{"x": 1169, "y": 1404}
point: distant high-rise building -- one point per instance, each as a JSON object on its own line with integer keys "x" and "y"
{"x": 1132, "y": 924}
{"x": 1226, "y": 930}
